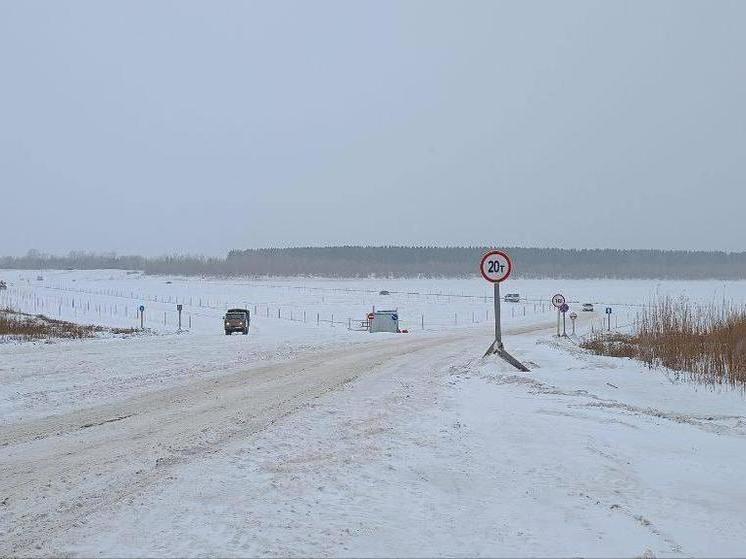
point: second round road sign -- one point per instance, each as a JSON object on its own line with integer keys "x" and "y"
{"x": 495, "y": 266}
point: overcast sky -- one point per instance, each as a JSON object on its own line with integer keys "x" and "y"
{"x": 159, "y": 127}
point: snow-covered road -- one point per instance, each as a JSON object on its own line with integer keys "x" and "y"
{"x": 60, "y": 469}
{"x": 301, "y": 440}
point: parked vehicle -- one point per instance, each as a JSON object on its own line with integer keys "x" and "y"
{"x": 587, "y": 307}
{"x": 384, "y": 292}
{"x": 237, "y": 320}
{"x": 512, "y": 298}
{"x": 3, "y": 285}
{"x": 39, "y": 278}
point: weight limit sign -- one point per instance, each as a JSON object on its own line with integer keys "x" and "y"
{"x": 495, "y": 267}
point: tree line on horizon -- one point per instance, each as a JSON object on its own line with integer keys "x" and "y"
{"x": 398, "y": 261}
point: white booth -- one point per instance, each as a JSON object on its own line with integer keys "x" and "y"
{"x": 384, "y": 321}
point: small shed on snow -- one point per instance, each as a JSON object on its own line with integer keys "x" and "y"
{"x": 384, "y": 321}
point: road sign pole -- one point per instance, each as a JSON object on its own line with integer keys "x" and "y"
{"x": 498, "y": 330}
{"x": 564, "y": 326}
{"x": 558, "y": 323}
{"x": 495, "y": 267}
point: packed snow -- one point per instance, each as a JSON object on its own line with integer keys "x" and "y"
{"x": 308, "y": 438}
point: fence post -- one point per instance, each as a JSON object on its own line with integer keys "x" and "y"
{"x": 422, "y": 321}
{"x": 349, "y": 323}
{"x": 318, "y": 319}
{"x": 332, "y": 321}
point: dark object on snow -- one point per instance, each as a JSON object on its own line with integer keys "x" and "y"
{"x": 237, "y": 320}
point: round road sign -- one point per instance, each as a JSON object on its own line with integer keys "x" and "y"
{"x": 558, "y": 300}
{"x": 495, "y": 266}
{"x": 573, "y": 315}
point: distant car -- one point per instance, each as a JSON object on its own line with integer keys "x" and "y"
{"x": 512, "y": 298}
{"x": 3, "y": 285}
{"x": 587, "y": 307}
{"x": 384, "y": 292}
{"x": 237, "y": 320}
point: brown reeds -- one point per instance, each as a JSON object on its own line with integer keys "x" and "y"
{"x": 15, "y": 325}
{"x": 706, "y": 342}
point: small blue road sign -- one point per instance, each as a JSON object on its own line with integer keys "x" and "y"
{"x": 142, "y": 308}
{"x": 564, "y": 307}
{"x": 608, "y": 310}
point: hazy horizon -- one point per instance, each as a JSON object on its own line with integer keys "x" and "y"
{"x": 104, "y": 253}
{"x": 190, "y": 127}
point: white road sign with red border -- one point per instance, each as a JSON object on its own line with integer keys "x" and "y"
{"x": 495, "y": 266}
{"x": 558, "y": 300}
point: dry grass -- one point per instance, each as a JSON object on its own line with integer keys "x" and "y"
{"x": 707, "y": 342}
{"x": 15, "y": 325}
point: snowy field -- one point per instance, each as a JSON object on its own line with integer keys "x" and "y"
{"x": 308, "y": 437}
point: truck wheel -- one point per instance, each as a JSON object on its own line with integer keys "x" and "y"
{"x": 227, "y": 333}
{"x": 245, "y": 332}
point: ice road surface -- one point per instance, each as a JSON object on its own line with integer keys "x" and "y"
{"x": 316, "y": 440}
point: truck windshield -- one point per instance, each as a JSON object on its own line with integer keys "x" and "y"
{"x": 234, "y": 316}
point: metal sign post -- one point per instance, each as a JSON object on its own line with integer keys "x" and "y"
{"x": 563, "y": 309}
{"x": 179, "y": 308}
{"x": 558, "y": 300}
{"x": 608, "y": 319}
{"x": 142, "y": 317}
{"x": 495, "y": 267}
{"x": 573, "y": 316}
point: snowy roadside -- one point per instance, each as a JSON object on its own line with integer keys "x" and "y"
{"x": 442, "y": 453}
{"x": 39, "y": 379}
